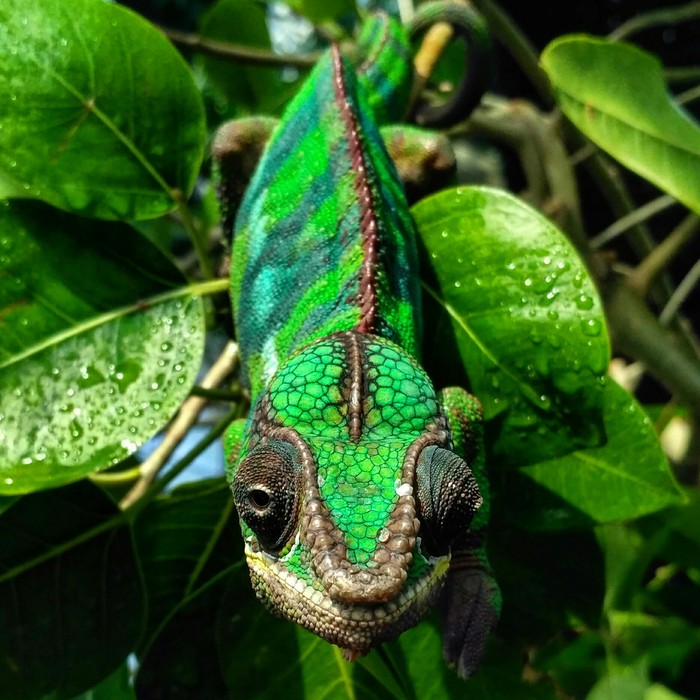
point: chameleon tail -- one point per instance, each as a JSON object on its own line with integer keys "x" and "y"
{"x": 478, "y": 73}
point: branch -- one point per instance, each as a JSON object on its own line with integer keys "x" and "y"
{"x": 237, "y": 52}
{"x": 646, "y": 273}
{"x": 625, "y": 223}
{"x": 655, "y": 18}
{"x": 186, "y": 418}
{"x": 517, "y": 44}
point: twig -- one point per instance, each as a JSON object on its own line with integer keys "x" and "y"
{"x": 689, "y": 95}
{"x": 682, "y": 74}
{"x": 638, "y": 333}
{"x": 236, "y": 52}
{"x": 679, "y": 296}
{"x": 217, "y": 394}
{"x": 645, "y": 274}
{"x": 551, "y": 185}
{"x": 519, "y": 46}
{"x": 630, "y": 220}
{"x": 121, "y": 478}
{"x": 186, "y": 417}
{"x": 655, "y": 18}
{"x": 198, "y": 238}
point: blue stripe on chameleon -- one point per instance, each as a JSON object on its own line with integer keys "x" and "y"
{"x": 269, "y": 313}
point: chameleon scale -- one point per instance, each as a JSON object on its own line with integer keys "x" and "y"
{"x": 346, "y": 430}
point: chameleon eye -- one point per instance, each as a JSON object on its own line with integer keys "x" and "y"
{"x": 266, "y": 493}
{"x": 447, "y": 497}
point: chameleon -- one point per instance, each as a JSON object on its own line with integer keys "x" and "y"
{"x": 361, "y": 491}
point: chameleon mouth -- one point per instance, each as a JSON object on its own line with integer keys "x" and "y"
{"x": 355, "y": 628}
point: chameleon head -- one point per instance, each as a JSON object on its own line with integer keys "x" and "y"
{"x": 348, "y": 494}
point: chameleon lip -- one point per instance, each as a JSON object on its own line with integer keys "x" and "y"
{"x": 353, "y": 627}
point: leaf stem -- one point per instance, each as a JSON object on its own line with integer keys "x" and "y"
{"x": 58, "y": 549}
{"x": 122, "y": 478}
{"x": 197, "y": 236}
{"x": 237, "y": 52}
{"x": 209, "y": 547}
{"x": 680, "y": 295}
{"x": 128, "y": 515}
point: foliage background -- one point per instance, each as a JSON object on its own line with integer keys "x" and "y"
{"x": 105, "y": 306}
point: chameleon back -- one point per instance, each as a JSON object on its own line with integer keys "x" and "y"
{"x": 323, "y": 241}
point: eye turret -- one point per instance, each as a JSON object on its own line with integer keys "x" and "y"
{"x": 447, "y": 497}
{"x": 266, "y": 491}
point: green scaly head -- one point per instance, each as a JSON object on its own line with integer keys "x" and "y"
{"x": 348, "y": 493}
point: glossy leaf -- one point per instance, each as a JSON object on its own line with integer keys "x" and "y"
{"x": 184, "y": 539}
{"x": 116, "y": 686}
{"x": 615, "y": 94}
{"x": 625, "y": 478}
{"x": 90, "y": 368}
{"x": 527, "y": 319}
{"x": 100, "y": 113}
{"x": 70, "y": 619}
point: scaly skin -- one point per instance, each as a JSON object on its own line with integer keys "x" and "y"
{"x": 349, "y": 492}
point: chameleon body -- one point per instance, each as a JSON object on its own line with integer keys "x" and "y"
{"x": 354, "y": 480}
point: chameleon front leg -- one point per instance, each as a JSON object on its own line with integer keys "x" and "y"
{"x": 470, "y": 602}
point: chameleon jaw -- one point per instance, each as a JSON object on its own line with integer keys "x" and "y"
{"x": 355, "y": 628}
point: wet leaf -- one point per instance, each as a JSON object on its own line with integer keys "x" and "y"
{"x": 627, "y": 477}
{"x": 72, "y": 618}
{"x": 527, "y": 319}
{"x": 90, "y": 368}
{"x": 100, "y": 113}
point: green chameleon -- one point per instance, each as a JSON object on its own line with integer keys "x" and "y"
{"x": 361, "y": 491}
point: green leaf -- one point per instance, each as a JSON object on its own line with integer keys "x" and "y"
{"x": 527, "y": 319}
{"x": 622, "y": 683}
{"x": 101, "y": 115}
{"x": 184, "y": 539}
{"x": 92, "y": 363}
{"x": 661, "y": 692}
{"x": 667, "y": 643}
{"x": 251, "y": 642}
{"x": 417, "y": 656}
{"x": 545, "y": 589}
{"x": 625, "y": 478}
{"x": 69, "y": 614}
{"x": 182, "y": 661}
{"x": 115, "y": 687}
{"x": 322, "y": 11}
{"x": 249, "y": 89}
{"x": 615, "y": 94}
